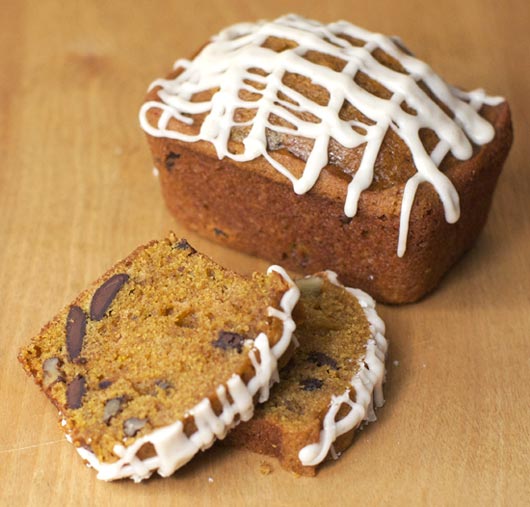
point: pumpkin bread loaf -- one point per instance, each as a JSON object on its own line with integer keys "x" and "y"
{"x": 163, "y": 354}
{"x": 330, "y": 385}
{"x": 327, "y": 147}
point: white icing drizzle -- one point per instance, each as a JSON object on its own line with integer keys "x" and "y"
{"x": 173, "y": 448}
{"x": 367, "y": 384}
{"x": 224, "y": 65}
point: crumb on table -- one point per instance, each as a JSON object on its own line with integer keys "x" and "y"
{"x": 265, "y": 468}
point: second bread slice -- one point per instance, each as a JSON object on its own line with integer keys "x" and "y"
{"x": 331, "y": 384}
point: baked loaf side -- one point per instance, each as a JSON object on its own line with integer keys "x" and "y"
{"x": 161, "y": 356}
{"x": 327, "y": 146}
{"x": 331, "y": 384}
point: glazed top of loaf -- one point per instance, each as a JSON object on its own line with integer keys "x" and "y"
{"x": 338, "y": 99}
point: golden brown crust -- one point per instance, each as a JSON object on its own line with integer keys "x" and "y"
{"x": 250, "y": 207}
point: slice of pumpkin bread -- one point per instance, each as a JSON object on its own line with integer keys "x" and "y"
{"x": 330, "y": 385}
{"x": 160, "y": 356}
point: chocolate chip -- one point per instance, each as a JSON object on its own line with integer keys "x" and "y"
{"x": 104, "y": 296}
{"x": 163, "y": 384}
{"x": 321, "y": 359}
{"x": 52, "y": 373}
{"x": 228, "y": 340}
{"x": 171, "y": 159}
{"x": 133, "y": 425}
{"x": 104, "y": 384}
{"x": 184, "y": 245}
{"x": 219, "y": 232}
{"x": 75, "y": 331}
{"x": 112, "y": 407}
{"x": 311, "y": 384}
{"x": 345, "y": 219}
{"x": 75, "y": 391}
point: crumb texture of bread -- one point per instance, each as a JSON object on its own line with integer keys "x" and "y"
{"x": 330, "y": 385}
{"x": 327, "y": 147}
{"x": 165, "y": 339}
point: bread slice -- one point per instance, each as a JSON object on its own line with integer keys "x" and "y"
{"x": 330, "y": 385}
{"x": 161, "y": 356}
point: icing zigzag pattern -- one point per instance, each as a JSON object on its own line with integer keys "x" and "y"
{"x": 226, "y": 65}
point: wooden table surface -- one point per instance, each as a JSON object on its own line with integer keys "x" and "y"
{"x": 77, "y": 193}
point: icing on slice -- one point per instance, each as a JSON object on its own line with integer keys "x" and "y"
{"x": 367, "y": 384}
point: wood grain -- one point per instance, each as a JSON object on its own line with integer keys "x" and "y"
{"x": 77, "y": 193}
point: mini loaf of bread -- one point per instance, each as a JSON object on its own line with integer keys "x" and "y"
{"x": 327, "y": 147}
{"x": 162, "y": 355}
{"x": 330, "y": 386}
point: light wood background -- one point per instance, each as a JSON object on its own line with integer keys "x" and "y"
{"x": 77, "y": 193}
